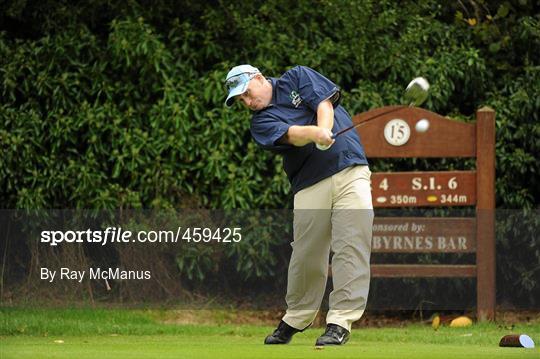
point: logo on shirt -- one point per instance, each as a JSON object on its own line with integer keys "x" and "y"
{"x": 296, "y": 100}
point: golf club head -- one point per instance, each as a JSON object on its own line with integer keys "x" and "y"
{"x": 416, "y": 92}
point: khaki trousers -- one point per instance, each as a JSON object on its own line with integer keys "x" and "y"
{"x": 334, "y": 214}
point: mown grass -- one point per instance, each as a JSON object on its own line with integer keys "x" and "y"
{"x": 104, "y": 333}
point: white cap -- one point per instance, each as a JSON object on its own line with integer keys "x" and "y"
{"x": 237, "y": 81}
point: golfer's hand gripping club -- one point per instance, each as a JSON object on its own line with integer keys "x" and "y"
{"x": 324, "y": 139}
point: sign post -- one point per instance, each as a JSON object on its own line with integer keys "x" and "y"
{"x": 393, "y": 136}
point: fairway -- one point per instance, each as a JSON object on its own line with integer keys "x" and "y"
{"x": 230, "y": 346}
{"x": 138, "y": 334}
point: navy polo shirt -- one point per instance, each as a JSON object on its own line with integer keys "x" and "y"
{"x": 296, "y": 96}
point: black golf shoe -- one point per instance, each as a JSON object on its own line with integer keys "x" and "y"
{"x": 334, "y": 335}
{"x": 282, "y": 334}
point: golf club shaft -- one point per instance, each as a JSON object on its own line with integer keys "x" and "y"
{"x": 340, "y": 132}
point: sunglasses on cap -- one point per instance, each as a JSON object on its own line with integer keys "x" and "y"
{"x": 240, "y": 79}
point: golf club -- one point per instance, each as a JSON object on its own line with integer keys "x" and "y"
{"x": 415, "y": 95}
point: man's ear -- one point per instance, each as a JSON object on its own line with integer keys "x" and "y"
{"x": 260, "y": 77}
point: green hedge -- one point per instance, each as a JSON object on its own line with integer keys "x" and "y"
{"x": 105, "y": 107}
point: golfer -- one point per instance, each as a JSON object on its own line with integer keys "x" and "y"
{"x": 295, "y": 116}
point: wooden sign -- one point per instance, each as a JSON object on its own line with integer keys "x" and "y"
{"x": 423, "y": 235}
{"x": 444, "y": 138}
{"x": 434, "y": 189}
{"x": 391, "y": 132}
